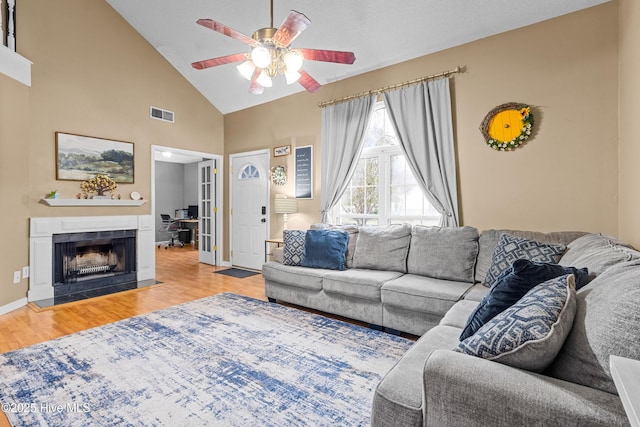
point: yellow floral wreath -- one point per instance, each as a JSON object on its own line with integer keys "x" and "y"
{"x": 507, "y": 126}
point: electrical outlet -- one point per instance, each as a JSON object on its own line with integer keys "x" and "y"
{"x": 25, "y": 272}
{"x": 16, "y": 277}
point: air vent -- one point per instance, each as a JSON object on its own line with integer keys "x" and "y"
{"x": 164, "y": 115}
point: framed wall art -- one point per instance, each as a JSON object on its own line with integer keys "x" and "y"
{"x": 80, "y": 157}
{"x": 284, "y": 150}
{"x": 304, "y": 172}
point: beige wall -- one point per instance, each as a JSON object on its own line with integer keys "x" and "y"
{"x": 14, "y": 187}
{"x": 92, "y": 75}
{"x": 563, "y": 178}
{"x": 629, "y": 113}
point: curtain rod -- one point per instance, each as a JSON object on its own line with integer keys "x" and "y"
{"x": 390, "y": 87}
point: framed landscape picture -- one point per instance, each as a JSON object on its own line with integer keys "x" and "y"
{"x": 79, "y": 158}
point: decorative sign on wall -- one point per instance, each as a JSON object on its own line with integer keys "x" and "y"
{"x": 284, "y": 150}
{"x": 304, "y": 172}
{"x": 507, "y": 126}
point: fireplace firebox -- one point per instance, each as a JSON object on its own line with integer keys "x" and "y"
{"x": 91, "y": 261}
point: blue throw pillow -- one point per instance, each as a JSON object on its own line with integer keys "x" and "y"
{"x": 512, "y": 284}
{"x": 325, "y": 249}
{"x": 530, "y": 333}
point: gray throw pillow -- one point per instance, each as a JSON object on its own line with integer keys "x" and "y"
{"x": 510, "y": 248}
{"x": 293, "y": 248}
{"x": 433, "y": 249}
{"x": 607, "y": 323}
{"x": 383, "y": 248}
{"x": 529, "y": 334}
{"x": 597, "y": 252}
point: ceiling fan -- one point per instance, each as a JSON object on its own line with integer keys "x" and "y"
{"x": 272, "y": 54}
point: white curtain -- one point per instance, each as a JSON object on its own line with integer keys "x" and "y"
{"x": 343, "y": 129}
{"x": 421, "y": 116}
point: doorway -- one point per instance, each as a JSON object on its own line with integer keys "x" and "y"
{"x": 249, "y": 191}
{"x": 187, "y": 191}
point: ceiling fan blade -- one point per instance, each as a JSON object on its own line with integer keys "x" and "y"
{"x": 293, "y": 25}
{"x": 328, "y": 55}
{"x": 308, "y": 82}
{"x": 221, "y": 60}
{"x": 227, "y": 31}
{"x": 255, "y": 88}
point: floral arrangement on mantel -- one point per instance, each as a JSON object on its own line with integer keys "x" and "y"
{"x": 99, "y": 185}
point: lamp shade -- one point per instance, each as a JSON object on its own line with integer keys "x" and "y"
{"x": 285, "y": 205}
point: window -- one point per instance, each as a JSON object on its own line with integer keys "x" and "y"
{"x": 383, "y": 190}
{"x": 250, "y": 172}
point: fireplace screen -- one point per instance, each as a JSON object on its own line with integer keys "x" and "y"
{"x": 88, "y": 261}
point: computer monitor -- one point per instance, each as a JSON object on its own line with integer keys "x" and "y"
{"x": 193, "y": 211}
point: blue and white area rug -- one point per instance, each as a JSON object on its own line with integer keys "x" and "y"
{"x": 225, "y": 360}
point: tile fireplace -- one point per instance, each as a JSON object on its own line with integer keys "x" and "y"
{"x": 72, "y": 255}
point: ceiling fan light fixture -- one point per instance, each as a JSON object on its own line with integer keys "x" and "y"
{"x": 292, "y": 76}
{"x": 246, "y": 69}
{"x": 293, "y": 60}
{"x": 261, "y": 57}
{"x": 264, "y": 80}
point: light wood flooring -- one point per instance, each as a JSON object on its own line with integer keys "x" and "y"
{"x": 183, "y": 279}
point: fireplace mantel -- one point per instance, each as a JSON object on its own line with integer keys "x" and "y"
{"x": 41, "y": 245}
{"x": 92, "y": 202}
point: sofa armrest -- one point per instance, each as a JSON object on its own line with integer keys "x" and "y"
{"x": 464, "y": 390}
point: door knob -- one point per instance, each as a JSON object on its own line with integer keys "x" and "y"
{"x": 263, "y": 220}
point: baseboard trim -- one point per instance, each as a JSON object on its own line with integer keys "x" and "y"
{"x": 13, "y": 306}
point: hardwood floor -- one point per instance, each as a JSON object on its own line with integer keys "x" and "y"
{"x": 183, "y": 279}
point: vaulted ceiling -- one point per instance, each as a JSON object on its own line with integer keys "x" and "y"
{"x": 379, "y": 32}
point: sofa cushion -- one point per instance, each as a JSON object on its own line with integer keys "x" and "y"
{"x": 325, "y": 249}
{"x": 293, "y": 247}
{"x": 513, "y": 284}
{"x": 458, "y": 314}
{"x": 299, "y": 277}
{"x": 353, "y": 237}
{"x": 398, "y": 397}
{"x": 529, "y": 334}
{"x": 511, "y": 248}
{"x": 607, "y": 323}
{"x": 432, "y": 249}
{"x": 423, "y": 294}
{"x": 489, "y": 239}
{"x": 597, "y": 253}
{"x": 383, "y": 248}
{"x": 357, "y": 283}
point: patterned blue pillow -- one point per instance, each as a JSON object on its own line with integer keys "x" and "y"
{"x": 530, "y": 333}
{"x": 293, "y": 249}
{"x": 510, "y": 248}
{"x": 512, "y": 284}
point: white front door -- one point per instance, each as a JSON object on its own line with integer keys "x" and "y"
{"x": 249, "y": 208}
{"x": 207, "y": 212}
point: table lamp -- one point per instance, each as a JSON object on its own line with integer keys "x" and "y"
{"x": 284, "y": 205}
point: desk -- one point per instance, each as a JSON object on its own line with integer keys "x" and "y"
{"x": 188, "y": 223}
{"x": 277, "y": 242}
{"x": 626, "y": 376}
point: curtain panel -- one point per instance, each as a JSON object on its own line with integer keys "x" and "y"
{"x": 421, "y": 117}
{"x": 343, "y": 130}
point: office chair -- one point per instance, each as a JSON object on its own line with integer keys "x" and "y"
{"x": 172, "y": 227}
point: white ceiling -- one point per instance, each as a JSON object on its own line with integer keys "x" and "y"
{"x": 379, "y": 32}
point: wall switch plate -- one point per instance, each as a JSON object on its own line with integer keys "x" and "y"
{"x": 16, "y": 277}
{"x": 25, "y": 272}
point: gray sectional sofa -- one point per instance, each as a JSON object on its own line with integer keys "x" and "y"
{"x": 427, "y": 281}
